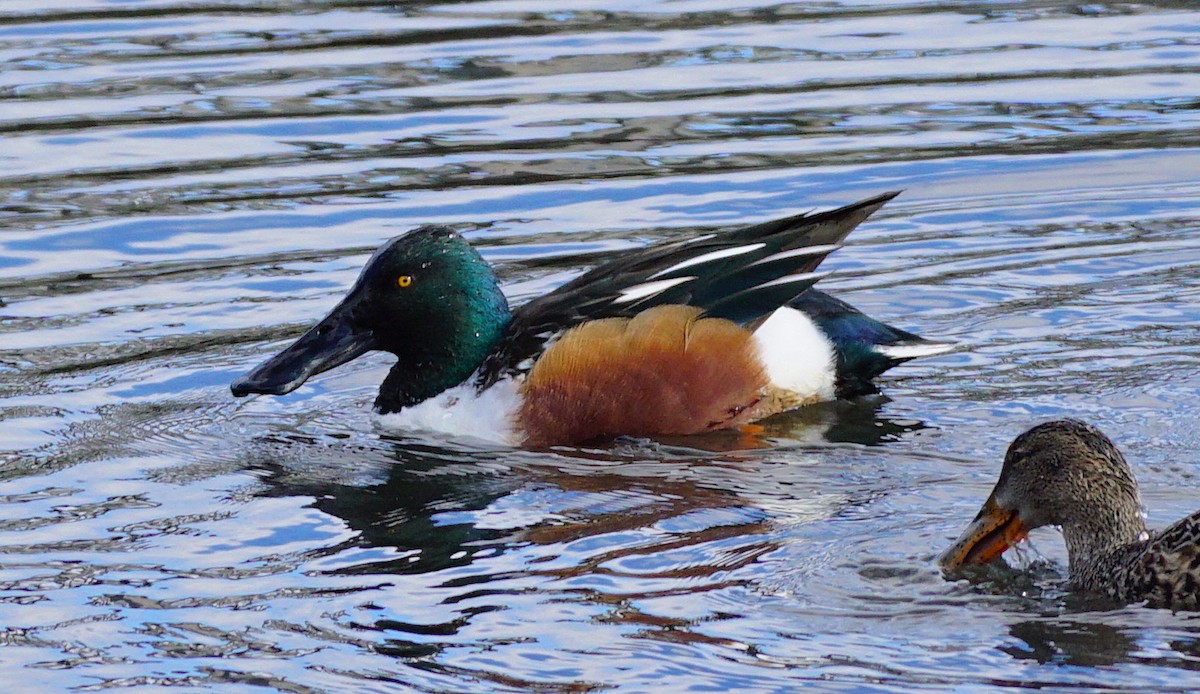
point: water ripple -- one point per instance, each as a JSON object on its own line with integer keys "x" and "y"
{"x": 187, "y": 185}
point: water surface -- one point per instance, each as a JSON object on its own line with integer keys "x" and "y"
{"x": 186, "y": 186}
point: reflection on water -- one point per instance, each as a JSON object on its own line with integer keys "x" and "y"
{"x": 187, "y": 186}
{"x": 1071, "y": 643}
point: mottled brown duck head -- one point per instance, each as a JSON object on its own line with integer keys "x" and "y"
{"x": 1065, "y": 473}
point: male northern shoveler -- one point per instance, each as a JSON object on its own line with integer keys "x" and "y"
{"x": 1068, "y": 473}
{"x": 678, "y": 338}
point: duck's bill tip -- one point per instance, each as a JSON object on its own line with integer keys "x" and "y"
{"x": 279, "y": 375}
{"x": 992, "y": 532}
{"x": 248, "y": 385}
{"x": 332, "y": 342}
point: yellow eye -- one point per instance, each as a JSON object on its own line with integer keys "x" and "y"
{"x": 404, "y": 280}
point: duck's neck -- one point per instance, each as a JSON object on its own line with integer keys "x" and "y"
{"x": 440, "y": 356}
{"x": 1094, "y": 543}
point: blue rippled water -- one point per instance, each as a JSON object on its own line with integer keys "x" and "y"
{"x": 187, "y": 185}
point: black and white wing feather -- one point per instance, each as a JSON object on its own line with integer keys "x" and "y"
{"x": 741, "y": 275}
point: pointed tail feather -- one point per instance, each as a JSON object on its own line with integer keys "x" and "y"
{"x": 830, "y": 227}
{"x": 914, "y": 349}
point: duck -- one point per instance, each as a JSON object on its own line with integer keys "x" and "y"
{"x": 708, "y": 333}
{"x": 1068, "y": 473}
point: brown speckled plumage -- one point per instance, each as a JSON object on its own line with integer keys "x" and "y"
{"x": 1164, "y": 570}
{"x": 1068, "y": 473}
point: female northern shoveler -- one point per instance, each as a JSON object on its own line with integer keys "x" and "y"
{"x": 678, "y": 338}
{"x": 1068, "y": 473}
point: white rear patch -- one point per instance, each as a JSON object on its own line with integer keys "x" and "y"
{"x": 463, "y": 412}
{"x": 914, "y": 350}
{"x": 797, "y": 355}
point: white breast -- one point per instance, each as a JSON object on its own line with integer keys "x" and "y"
{"x": 462, "y": 412}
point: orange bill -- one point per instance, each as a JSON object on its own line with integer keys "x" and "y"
{"x": 992, "y": 532}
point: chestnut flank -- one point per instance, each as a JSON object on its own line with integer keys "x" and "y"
{"x": 666, "y": 371}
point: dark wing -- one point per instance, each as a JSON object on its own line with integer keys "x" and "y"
{"x": 739, "y": 275}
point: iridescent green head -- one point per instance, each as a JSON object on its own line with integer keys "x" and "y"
{"x": 427, "y": 296}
